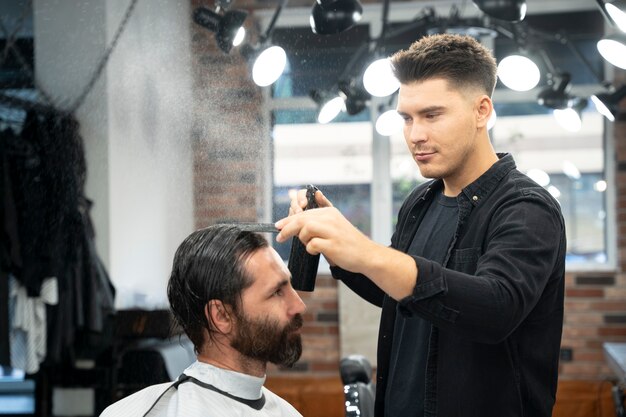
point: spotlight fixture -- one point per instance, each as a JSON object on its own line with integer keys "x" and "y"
{"x": 228, "y": 28}
{"x": 616, "y": 11}
{"x": 329, "y": 17}
{"x": 378, "y": 78}
{"x": 329, "y": 105}
{"x": 509, "y": 10}
{"x": 269, "y": 63}
{"x": 556, "y": 98}
{"x": 613, "y": 49}
{"x": 355, "y": 97}
{"x": 606, "y": 103}
{"x": 389, "y": 123}
{"x": 570, "y": 118}
{"x": 518, "y": 72}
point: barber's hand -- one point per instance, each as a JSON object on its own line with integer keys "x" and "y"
{"x": 299, "y": 201}
{"x": 326, "y": 231}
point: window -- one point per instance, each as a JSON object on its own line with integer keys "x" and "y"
{"x": 338, "y": 157}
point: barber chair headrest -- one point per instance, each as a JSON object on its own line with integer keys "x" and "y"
{"x": 355, "y": 368}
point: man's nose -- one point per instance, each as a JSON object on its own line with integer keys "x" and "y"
{"x": 296, "y": 306}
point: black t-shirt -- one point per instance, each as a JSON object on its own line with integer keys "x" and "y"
{"x": 409, "y": 352}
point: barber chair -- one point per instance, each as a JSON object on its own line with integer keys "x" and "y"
{"x": 356, "y": 375}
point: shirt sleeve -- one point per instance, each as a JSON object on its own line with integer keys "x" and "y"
{"x": 488, "y": 290}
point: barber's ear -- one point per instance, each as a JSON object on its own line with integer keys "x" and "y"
{"x": 218, "y": 315}
{"x": 484, "y": 109}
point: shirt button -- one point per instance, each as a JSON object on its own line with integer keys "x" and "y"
{"x": 475, "y": 198}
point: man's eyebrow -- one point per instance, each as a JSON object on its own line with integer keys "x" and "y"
{"x": 281, "y": 284}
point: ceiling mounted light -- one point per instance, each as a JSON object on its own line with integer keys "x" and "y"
{"x": 389, "y": 123}
{"x": 616, "y": 10}
{"x": 519, "y": 73}
{"x": 509, "y": 10}
{"x": 329, "y": 105}
{"x": 570, "y": 118}
{"x": 556, "y": 97}
{"x": 606, "y": 103}
{"x": 329, "y": 17}
{"x": 228, "y": 28}
{"x": 613, "y": 49}
{"x": 269, "y": 64}
{"x": 378, "y": 78}
{"x": 355, "y": 97}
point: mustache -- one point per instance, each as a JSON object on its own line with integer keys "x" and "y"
{"x": 295, "y": 324}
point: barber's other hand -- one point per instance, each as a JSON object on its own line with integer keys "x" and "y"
{"x": 299, "y": 201}
{"x": 326, "y": 231}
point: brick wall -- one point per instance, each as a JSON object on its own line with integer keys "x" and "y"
{"x": 229, "y": 134}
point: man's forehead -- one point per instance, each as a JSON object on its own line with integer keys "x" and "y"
{"x": 265, "y": 267}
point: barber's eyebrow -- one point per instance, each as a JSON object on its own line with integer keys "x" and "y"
{"x": 423, "y": 111}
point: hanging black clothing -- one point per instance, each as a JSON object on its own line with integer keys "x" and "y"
{"x": 46, "y": 231}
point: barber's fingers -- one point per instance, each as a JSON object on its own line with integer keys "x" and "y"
{"x": 298, "y": 200}
{"x": 321, "y": 200}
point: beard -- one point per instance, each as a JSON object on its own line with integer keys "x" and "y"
{"x": 264, "y": 340}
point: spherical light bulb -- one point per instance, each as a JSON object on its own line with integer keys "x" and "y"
{"x": 388, "y": 123}
{"x": 269, "y": 65}
{"x": 378, "y": 78}
{"x": 618, "y": 16}
{"x": 613, "y": 51}
{"x": 568, "y": 119}
{"x": 331, "y": 109}
{"x": 518, "y": 73}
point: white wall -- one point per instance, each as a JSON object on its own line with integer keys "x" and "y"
{"x": 136, "y": 127}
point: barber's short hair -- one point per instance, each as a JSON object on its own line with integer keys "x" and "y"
{"x": 209, "y": 265}
{"x": 459, "y": 59}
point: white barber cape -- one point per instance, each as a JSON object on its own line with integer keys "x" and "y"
{"x": 209, "y": 392}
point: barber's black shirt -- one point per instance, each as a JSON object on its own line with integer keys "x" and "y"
{"x": 405, "y": 391}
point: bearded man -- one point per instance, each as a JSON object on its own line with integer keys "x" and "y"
{"x": 231, "y": 294}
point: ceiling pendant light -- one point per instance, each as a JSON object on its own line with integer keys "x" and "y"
{"x": 509, "y": 10}
{"x": 613, "y": 49}
{"x": 329, "y": 17}
{"x": 518, "y": 73}
{"x": 228, "y": 28}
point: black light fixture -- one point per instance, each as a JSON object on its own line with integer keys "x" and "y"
{"x": 509, "y": 10}
{"x": 228, "y": 27}
{"x": 555, "y": 96}
{"x": 355, "y": 97}
{"x": 606, "y": 103}
{"x": 330, "y": 17}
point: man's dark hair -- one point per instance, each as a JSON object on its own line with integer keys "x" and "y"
{"x": 209, "y": 265}
{"x": 459, "y": 59}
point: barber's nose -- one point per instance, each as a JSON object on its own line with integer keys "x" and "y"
{"x": 415, "y": 133}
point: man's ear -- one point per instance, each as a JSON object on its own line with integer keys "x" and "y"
{"x": 484, "y": 108}
{"x": 219, "y": 316}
